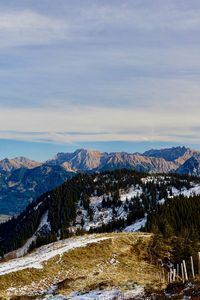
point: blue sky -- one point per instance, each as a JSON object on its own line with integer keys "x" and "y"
{"x": 109, "y": 74}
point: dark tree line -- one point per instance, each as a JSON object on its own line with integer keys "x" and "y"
{"x": 179, "y": 216}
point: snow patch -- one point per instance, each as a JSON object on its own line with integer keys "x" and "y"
{"x": 111, "y": 294}
{"x": 133, "y": 192}
{"x": 136, "y": 225}
{"x": 162, "y": 201}
{"x": 24, "y": 249}
{"x": 44, "y": 253}
{"x": 186, "y": 192}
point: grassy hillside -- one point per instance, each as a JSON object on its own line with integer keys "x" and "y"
{"x": 122, "y": 260}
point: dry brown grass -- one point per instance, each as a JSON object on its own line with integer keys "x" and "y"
{"x": 120, "y": 261}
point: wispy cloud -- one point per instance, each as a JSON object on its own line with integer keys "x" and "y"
{"x": 28, "y": 27}
{"x": 143, "y": 15}
{"x": 96, "y": 21}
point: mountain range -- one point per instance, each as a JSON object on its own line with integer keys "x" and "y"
{"x": 22, "y": 180}
{"x": 153, "y": 161}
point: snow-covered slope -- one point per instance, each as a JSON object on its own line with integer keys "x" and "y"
{"x": 195, "y": 190}
{"x": 100, "y": 215}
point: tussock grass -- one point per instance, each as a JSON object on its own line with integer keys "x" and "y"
{"x": 120, "y": 261}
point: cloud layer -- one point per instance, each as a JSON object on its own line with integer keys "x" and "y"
{"x": 100, "y": 70}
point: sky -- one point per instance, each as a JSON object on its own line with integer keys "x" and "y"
{"x": 113, "y": 75}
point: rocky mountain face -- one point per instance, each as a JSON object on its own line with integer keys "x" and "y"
{"x": 176, "y": 154}
{"x": 9, "y": 165}
{"x": 80, "y": 160}
{"x": 85, "y": 160}
{"x": 170, "y": 154}
{"x": 137, "y": 162}
{"x": 153, "y": 161}
{"x": 191, "y": 166}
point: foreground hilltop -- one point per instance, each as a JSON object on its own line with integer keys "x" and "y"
{"x": 105, "y": 266}
{"x": 100, "y": 266}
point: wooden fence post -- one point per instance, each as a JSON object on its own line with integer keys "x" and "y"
{"x": 192, "y": 266}
{"x": 177, "y": 271}
{"x": 185, "y": 270}
{"x": 170, "y": 275}
{"x": 174, "y": 275}
{"x": 182, "y": 273}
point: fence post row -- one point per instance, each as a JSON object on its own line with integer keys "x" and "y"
{"x": 180, "y": 271}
